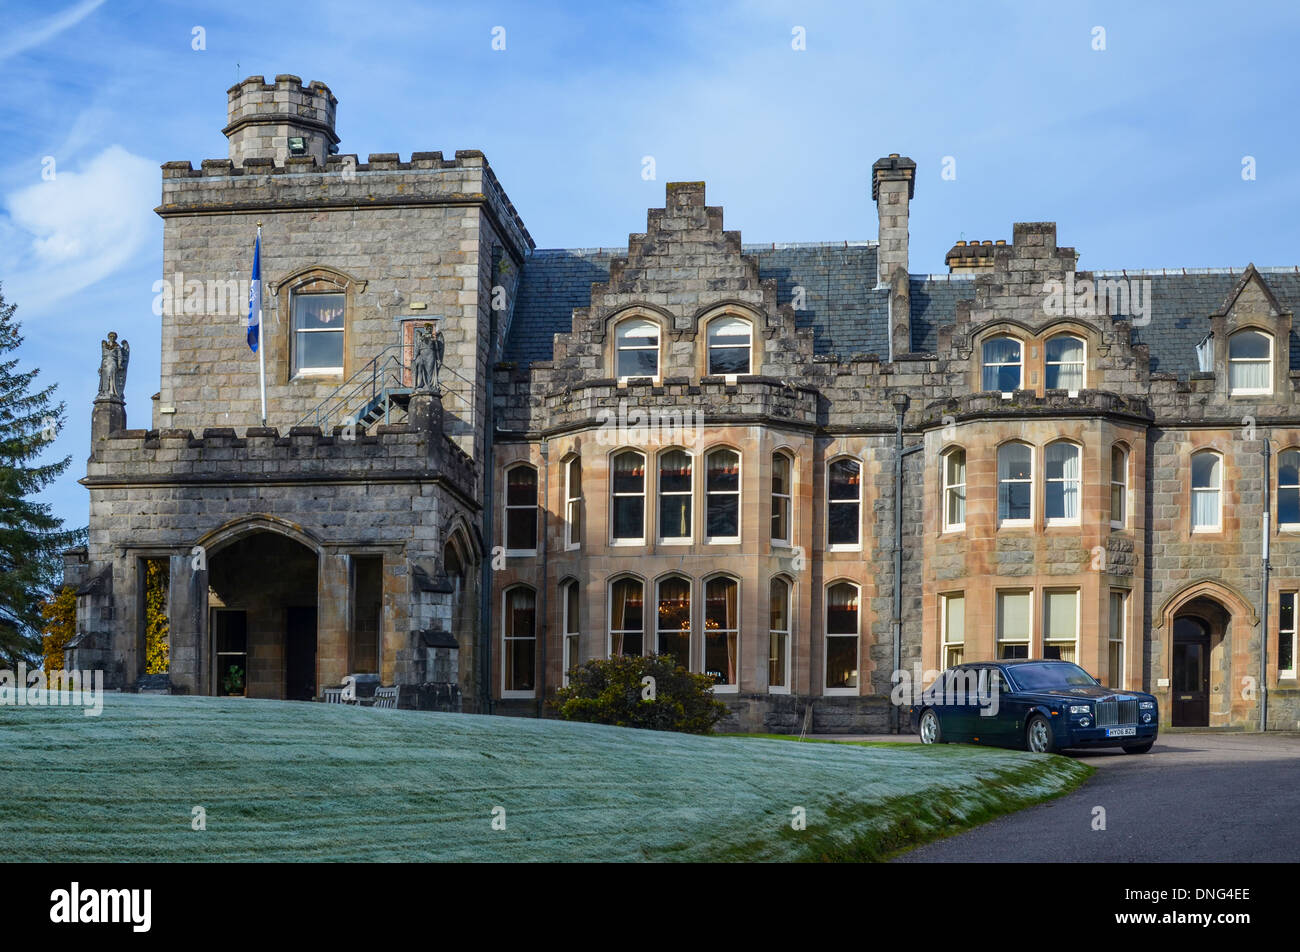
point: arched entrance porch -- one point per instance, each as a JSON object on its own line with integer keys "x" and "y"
{"x": 1208, "y": 626}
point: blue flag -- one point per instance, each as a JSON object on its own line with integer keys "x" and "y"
{"x": 255, "y": 296}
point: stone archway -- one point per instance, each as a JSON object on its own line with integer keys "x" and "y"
{"x": 1207, "y": 627}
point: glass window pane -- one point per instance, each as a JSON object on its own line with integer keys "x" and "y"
{"x": 521, "y": 486}
{"x": 1061, "y": 617}
{"x": 954, "y": 619}
{"x": 841, "y": 662}
{"x": 842, "y": 523}
{"x": 1250, "y": 345}
{"x": 1205, "y": 471}
{"x": 1013, "y": 616}
{"x": 844, "y": 479}
{"x": 729, "y": 360}
{"x": 842, "y": 609}
{"x": 318, "y": 312}
{"x": 319, "y": 349}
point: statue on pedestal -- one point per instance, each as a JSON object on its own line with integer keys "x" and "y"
{"x": 113, "y": 361}
{"x": 426, "y": 363}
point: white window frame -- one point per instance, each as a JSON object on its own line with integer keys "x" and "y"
{"x": 1082, "y": 362}
{"x": 294, "y": 331}
{"x": 844, "y": 546}
{"x": 614, "y": 496}
{"x": 1032, "y": 480}
{"x": 1078, "y": 620}
{"x": 1218, "y": 490}
{"x": 786, "y": 497}
{"x": 710, "y": 346}
{"x": 506, "y": 638}
{"x": 689, "y": 661}
{"x": 946, "y": 645}
{"x": 1289, "y": 674}
{"x": 1251, "y": 391}
{"x": 508, "y": 508}
{"x": 572, "y": 630}
{"x": 738, "y": 493}
{"x": 1286, "y": 526}
{"x": 1048, "y": 482}
{"x": 787, "y": 632}
{"x": 827, "y": 636}
{"x": 1113, "y": 679}
{"x": 998, "y": 640}
{"x": 609, "y": 614}
{"x": 1121, "y": 483}
{"x": 948, "y": 488}
{"x": 619, "y": 348}
{"x": 733, "y": 688}
{"x": 572, "y": 505}
{"x": 660, "y": 538}
{"x": 1020, "y": 364}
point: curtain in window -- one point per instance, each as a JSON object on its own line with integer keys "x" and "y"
{"x": 520, "y": 643}
{"x": 625, "y": 625}
{"x": 1002, "y": 364}
{"x": 1205, "y": 490}
{"x": 629, "y": 500}
{"x": 720, "y": 606}
{"x": 1249, "y": 365}
{"x": 1015, "y": 470}
{"x": 674, "y": 619}
{"x": 1064, "y": 363}
{"x": 1013, "y": 616}
{"x": 1062, "y": 464}
{"x": 674, "y": 495}
{"x": 722, "y": 478}
{"x": 956, "y": 487}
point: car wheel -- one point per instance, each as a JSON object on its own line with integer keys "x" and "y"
{"x": 1139, "y": 748}
{"x": 1038, "y": 735}
{"x": 931, "y": 729}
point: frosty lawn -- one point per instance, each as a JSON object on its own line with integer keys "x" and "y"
{"x": 291, "y": 781}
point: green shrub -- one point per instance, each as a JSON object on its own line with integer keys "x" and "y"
{"x": 614, "y": 692}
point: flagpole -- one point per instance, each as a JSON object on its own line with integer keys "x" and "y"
{"x": 261, "y": 337}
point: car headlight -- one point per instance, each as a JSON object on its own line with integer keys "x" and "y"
{"x": 1085, "y": 722}
{"x": 1080, "y": 709}
{"x": 1146, "y": 718}
{"x": 1146, "y": 705}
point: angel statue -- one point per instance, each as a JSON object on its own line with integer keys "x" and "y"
{"x": 427, "y": 360}
{"x": 113, "y": 362}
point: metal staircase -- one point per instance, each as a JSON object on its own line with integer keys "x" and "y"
{"x": 369, "y": 396}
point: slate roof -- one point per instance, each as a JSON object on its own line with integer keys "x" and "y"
{"x": 849, "y": 315}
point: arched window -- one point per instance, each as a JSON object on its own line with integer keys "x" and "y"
{"x": 778, "y": 637}
{"x": 636, "y": 349}
{"x": 1118, "y": 487}
{"x": 317, "y": 333}
{"x": 675, "y": 496}
{"x": 673, "y": 619}
{"x": 729, "y": 346}
{"x": 521, "y": 509}
{"x": 842, "y": 638}
{"x": 1015, "y": 484}
{"x": 1064, "y": 364}
{"x": 571, "y": 600}
{"x": 1288, "y": 489}
{"x": 1061, "y": 461}
{"x": 954, "y": 489}
{"x": 573, "y": 503}
{"x": 1207, "y": 491}
{"x": 1250, "y": 363}
{"x": 1002, "y": 364}
{"x": 722, "y": 632}
{"x": 782, "y": 497}
{"x": 722, "y": 490}
{"x": 627, "y": 488}
{"x": 843, "y": 503}
{"x": 626, "y": 618}
{"x": 519, "y": 648}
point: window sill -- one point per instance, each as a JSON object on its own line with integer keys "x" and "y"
{"x": 785, "y": 543}
{"x": 840, "y": 692}
{"x": 954, "y": 529}
{"x": 728, "y": 540}
{"x": 626, "y": 543}
{"x": 725, "y": 689}
{"x": 1207, "y": 530}
{"x": 838, "y": 547}
{"x": 1061, "y": 523}
{"x": 518, "y": 695}
{"x": 774, "y": 690}
{"x": 673, "y": 541}
{"x": 1016, "y": 524}
{"x": 521, "y": 553}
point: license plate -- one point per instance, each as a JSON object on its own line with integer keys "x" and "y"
{"x": 1121, "y": 731}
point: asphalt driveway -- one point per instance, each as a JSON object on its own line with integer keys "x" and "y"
{"x": 1194, "y": 798}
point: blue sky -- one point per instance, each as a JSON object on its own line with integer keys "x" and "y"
{"x": 1136, "y": 150}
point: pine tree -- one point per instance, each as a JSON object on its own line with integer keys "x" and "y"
{"x": 32, "y": 538}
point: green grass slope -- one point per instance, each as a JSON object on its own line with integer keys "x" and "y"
{"x": 281, "y": 781}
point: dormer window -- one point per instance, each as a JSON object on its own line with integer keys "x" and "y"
{"x": 729, "y": 346}
{"x": 318, "y": 333}
{"x": 1003, "y": 367}
{"x": 636, "y": 349}
{"x": 1250, "y": 363}
{"x": 1065, "y": 363}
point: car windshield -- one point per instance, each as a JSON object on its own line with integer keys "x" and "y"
{"x": 1054, "y": 674}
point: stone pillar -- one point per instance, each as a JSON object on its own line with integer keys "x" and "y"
{"x": 109, "y": 416}
{"x": 332, "y": 598}
{"x": 425, "y": 411}
{"x": 187, "y": 624}
{"x": 893, "y": 182}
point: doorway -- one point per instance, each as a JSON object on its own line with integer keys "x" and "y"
{"x": 300, "y": 653}
{"x": 1190, "y": 706}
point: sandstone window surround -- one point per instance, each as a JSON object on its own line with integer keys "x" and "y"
{"x": 722, "y": 497}
{"x": 782, "y": 498}
{"x": 673, "y": 619}
{"x": 637, "y": 349}
{"x": 573, "y": 503}
{"x": 318, "y": 328}
{"x": 519, "y": 642}
{"x": 1003, "y": 365}
{"x": 1286, "y": 636}
{"x": 1014, "y": 623}
{"x": 305, "y": 332}
{"x": 842, "y": 620}
{"x": 722, "y": 633}
{"x": 729, "y": 342}
{"x": 952, "y": 623}
{"x": 626, "y": 617}
{"x": 953, "y": 503}
{"x": 1015, "y": 485}
{"x": 1065, "y": 363}
{"x": 627, "y": 498}
{"x": 521, "y": 510}
{"x": 1118, "y": 638}
{"x": 1207, "y": 491}
{"x": 1061, "y": 465}
{"x": 571, "y": 600}
{"x": 1061, "y": 624}
{"x": 676, "y": 487}
{"x": 844, "y": 504}
{"x": 1119, "y": 458}
{"x": 1288, "y": 491}
{"x": 1250, "y": 363}
{"x": 779, "y": 636}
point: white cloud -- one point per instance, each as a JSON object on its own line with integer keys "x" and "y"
{"x": 66, "y": 234}
{"x": 26, "y": 37}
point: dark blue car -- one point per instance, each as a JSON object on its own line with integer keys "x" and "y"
{"x": 1033, "y": 704}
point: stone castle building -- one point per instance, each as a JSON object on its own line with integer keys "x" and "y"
{"x": 798, "y": 468}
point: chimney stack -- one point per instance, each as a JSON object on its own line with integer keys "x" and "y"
{"x": 893, "y": 182}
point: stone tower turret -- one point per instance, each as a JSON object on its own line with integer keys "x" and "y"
{"x": 275, "y": 122}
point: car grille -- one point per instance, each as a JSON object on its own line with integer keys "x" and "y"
{"x": 1117, "y": 711}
